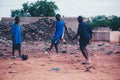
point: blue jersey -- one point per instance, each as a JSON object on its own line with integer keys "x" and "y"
{"x": 59, "y": 28}
{"x": 16, "y": 33}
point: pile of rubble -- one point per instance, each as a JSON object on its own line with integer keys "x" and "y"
{"x": 5, "y": 31}
{"x": 40, "y": 30}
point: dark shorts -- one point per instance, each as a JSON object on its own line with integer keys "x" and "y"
{"x": 83, "y": 43}
{"x": 17, "y": 47}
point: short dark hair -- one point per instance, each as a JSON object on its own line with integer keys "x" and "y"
{"x": 58, "y": 16}
{"x": 17, "y": 20}
{"x": 80, "y": 19}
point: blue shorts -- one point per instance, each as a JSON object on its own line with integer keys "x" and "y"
{"x": 56, "y": 39}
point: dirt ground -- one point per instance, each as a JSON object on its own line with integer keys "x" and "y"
{"x": 105, "y": 62}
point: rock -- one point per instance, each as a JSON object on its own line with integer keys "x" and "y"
{"x": 101, "y": 44}
{"x": 110, "y": 52}
{"x": 1, "y": 54}
{"x": 64, "y": 51}
{"x": 88, "y": 68}
{"x": 78, "y": 60}
{"x": 118, "y": 52}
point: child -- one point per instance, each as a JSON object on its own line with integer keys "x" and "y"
{"x": 59, "y": 24}
{"x": 16, "y": 37}
{"x": 85, "y": 33}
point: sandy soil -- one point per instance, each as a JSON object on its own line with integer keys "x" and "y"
{"x": 65, "y": 66}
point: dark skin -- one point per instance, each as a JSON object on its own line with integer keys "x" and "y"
{"x": 17, "y": 20}
{"x": 82, "y": 46}
{"x": 53, "y": 44}
{"x": 83, "y": 49}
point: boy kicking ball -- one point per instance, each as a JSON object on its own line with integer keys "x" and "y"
{"x": 85, "y": 33}
{"x": 60, "y": 26}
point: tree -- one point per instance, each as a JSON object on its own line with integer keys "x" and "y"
{"x": 39, "y": 8}
{"x": 21, "y": 12}
{"x": 115, "y": 23}
{"x": 112, "y": 22}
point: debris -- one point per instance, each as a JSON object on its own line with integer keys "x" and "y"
{"x": 42, "y": 65}
{"x": 78, "y": 60}
{"x": 118, "y": 52}
{"x": 40, "y": 30}
{"x": 12, "y": 72}
{"x": 64, "y": 51}
{"x": 88, "y": 68}
{"x": 101, "y": 44}
{"x": 72, "y": 53}
{"x": 77, "y": 56}
{"x": 102, "y": 49}
{"x": 55, "y": 69}
{"x": 77, "y": 68}
{"x": 1, "y": 54}
{"x": 110, "y": 52}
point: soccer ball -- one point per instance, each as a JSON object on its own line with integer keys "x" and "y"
{"x": 24, "y": 57}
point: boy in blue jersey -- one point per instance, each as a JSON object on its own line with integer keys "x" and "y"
{"x": 85, "y": 33}
{"x": 59, "y": 24}
{"x": 16, "y": 37}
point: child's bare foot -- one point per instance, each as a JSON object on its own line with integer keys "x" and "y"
{"x": 86, "y": 62}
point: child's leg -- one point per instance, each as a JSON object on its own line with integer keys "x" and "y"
{"x": 19, "y": 52}
{"x": 13, "y": 50}
{"x": 56, "y": 48}
{"x": 84, "y": 52}
{"x": 52, "y": 44}
{"x": 83, "y": 49}
{"x": 19, "y": 49}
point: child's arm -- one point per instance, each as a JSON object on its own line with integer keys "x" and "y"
{"x": 68, "y": 34}
{"x": 75, "y": 37}
{"x": 66, "y": 29}
{"x": 78, "y": 32}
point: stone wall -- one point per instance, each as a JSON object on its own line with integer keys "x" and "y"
{"x": 115, "y": 36}
{"x": 109, "y": 36}
{"x": 101, "y": 36}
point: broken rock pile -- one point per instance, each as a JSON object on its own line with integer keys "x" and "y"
{"x": 5, "y": 31}
{"x": 40, "y": 30}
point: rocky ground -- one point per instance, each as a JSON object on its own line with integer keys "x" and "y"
{"x": 66, "y": 65}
